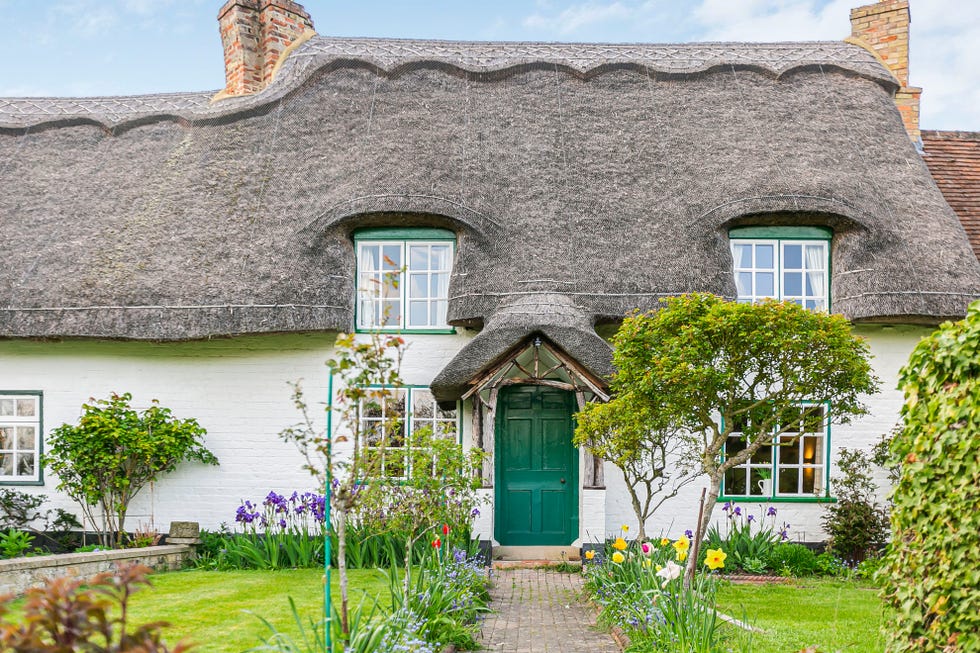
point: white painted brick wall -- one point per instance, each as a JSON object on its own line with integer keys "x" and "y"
{"x": 238, "y": 390}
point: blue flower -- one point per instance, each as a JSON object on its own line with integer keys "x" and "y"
{"x": 771, "y": 512}
{"x": 689, "y": 533}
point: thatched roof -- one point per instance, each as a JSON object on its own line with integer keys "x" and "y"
{"x": 604, "y": 174}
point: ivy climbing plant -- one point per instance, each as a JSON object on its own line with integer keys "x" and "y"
{"x": 931, "y": 578}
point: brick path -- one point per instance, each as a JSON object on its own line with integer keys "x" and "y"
{"x": 539, "y": 611}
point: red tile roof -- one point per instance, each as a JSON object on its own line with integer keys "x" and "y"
{"x": 954, "y": 160}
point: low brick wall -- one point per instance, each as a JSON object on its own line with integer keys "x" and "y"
{"x": 19, "y": 574}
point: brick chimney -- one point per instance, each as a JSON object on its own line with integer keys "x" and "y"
{"x": 883, "y": 28}
{"x": 257, "y": 35}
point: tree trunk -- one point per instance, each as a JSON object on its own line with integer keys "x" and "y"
{"x": 407, "y": 580}
{"x": 714, "y": 489}
{"x": 641, "y": 533}
{"x": 342, "y": 570}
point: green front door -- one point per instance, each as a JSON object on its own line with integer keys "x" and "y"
{"x": 536, "y": 499}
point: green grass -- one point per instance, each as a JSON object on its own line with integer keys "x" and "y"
{"x": 209, "y": 608}
{"x": 832, "y": 615}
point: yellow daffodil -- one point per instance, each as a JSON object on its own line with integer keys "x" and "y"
{"x": 619, "y": 544}
{"x": 618, "y": 557}
{"x": 625, "y": 528}
{"x": 681, "y": 556}
{"x": 658, "y": 567}
{"x": 715, "y": 558}
{"x": 682, "y": 544}
{"x": 647, "y": 563}
{"x": 664, "y": 541}
{"x": 589, "y": 554}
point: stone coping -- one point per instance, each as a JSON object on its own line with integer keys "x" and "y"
{"x": 74, "y": 559}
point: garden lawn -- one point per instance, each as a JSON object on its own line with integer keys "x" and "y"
{"x": 209, "y": 608}
{"x": 833, "y": 615}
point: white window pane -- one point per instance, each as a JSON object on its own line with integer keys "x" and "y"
{"x": 742, "y": 256}
{"x": 392, "y": 257}
{"x": 6, "y": 464}
{"x": 743, "y": 281}
{"x": 816, "y": 256}
{"x": 6, "y": 407}
{"x": 812, "y": 305}
{"x": 813, "y": 450}
{"x": 422, "y": 403}
{"x": 810, "y": 482}
{"x": 789, "y": 450}
{"x": 25, "y": 407}
{"x": 370, "y": 258}
{"x": 26, "y": 436}
{"x": 735, "y": 481}
{"x": 391, "y": 313}
{"x": 25, "y": 464}
{"x": 446, "y": 429}
{"x": 765, "y": 285}
{"x": 764, "y": 258}
{"x": 439, "y": 285}
{"x": 391, "y": 282}
{"x": 418, "y": 257}
{"x": 441, "y": 308}
{"x": 789, "y": 481}
{"x": 6, "y": 437}
{"x": 440, "y": 257}
{"x": 793, "y": 284}
{"x": 793, "y": 257}
{"x": 418, "y": 314}
{"x": 418, "y": 286}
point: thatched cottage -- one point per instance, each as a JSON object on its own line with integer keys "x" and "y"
{"x": 205, "y": 250}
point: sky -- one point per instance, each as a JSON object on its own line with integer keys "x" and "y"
{"x": 125, "y": 47}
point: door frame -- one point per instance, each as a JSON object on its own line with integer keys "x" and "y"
{"x": 574, "y": 462}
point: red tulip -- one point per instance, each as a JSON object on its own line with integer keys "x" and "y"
{"x": 436, "y": 543}
{"x": 445, "y": 529}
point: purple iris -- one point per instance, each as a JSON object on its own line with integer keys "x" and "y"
{"x": 771, "y": 512}
{"x": 737, "y": 511}
{"x": 689, "y": 533}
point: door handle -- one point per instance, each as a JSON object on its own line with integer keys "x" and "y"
{"x": 562, "y": 481}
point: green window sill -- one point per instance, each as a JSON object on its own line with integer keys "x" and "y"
{"x": 760, "y": 499}
{"x": 410, "y": 332}
{"x": 4, "y": 483}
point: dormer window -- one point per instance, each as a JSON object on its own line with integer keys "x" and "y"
{"x": 786, "y": 263}
{"x": 403, "y": 278}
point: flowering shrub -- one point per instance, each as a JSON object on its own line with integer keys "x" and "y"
{"x": 748, "y": 540}
{"x": 280, "y": 532}
{"x": 640, "y": 589}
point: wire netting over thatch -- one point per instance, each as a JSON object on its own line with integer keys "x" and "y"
{"x": 604, "y": 175}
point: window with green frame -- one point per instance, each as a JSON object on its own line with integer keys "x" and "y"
{"x": 389, "y": 422}
{"x": 794, "y": 467}
{"x": 403, "y": 278}
{"x": 20, "y": 437}
{"x": 787, "y": 263}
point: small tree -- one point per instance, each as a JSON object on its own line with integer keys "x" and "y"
{"x": 656, "y": 459}
{"x": 114, "y": 451}
{"x": 716, "y": 368}
{"x": 367, "y": 372}
{"x": 930, "y": 579}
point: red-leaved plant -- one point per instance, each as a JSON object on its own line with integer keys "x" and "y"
{"x": 82, "y": 615}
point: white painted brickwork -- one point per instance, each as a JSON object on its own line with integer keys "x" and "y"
{"x": 238, "y": 390}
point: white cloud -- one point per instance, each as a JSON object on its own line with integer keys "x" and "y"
{"x": 944, "y": 56}
{"x": 774, "y": 20}
{"x": 576, "y": 17}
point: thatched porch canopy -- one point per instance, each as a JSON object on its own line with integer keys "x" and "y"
{"x": 606, "y": 174}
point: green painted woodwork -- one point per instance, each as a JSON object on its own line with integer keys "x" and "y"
{"x": 784, "y": 233}
{"x": 536, "y": 496}
{"x": 404, "y": 233}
